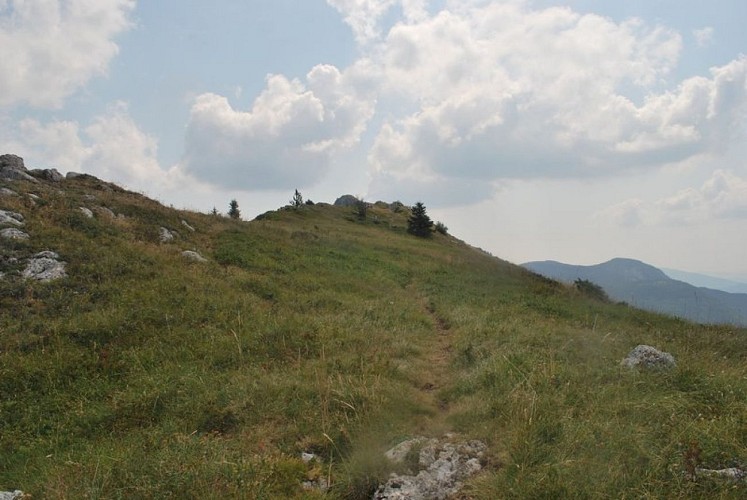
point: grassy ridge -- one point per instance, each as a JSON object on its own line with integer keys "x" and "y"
{"x": 146, "y": 375}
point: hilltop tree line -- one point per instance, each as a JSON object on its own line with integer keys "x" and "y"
{"x": 418, "y": 223}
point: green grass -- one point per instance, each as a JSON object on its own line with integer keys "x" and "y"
{"x": 144, "y": 375}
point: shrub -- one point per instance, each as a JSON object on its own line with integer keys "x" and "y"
{"x": 441, "y": 228}
{"x": 591, "y": 290}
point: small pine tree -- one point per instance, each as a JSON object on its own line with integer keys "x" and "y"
{"x": 297, "y": 200}
{"x": 214, "y": 212}
{"x": 441, "y": 228}
{"x": 233, "y": 210}
{"x": 361, "y": 209}
{"x": 419, "y": 224}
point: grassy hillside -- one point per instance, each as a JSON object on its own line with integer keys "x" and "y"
{"x": 146, "y": 375}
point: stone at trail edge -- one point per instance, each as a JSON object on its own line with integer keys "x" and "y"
{"x": 442, "y": 466}
{"x": 650, "y": 358}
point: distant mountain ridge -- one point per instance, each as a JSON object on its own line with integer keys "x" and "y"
{"x": 647, "y": 287}
{"x": 701, "y": 280}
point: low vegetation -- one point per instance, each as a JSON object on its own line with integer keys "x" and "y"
{"x": 146, "y": 375}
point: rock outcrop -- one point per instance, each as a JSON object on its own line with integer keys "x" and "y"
{"x": 347, "y": 200}
{"x": 44, "y": 266}
{"x": 13, "y": 169}
{"x": 649, "y": 358}
{"x": 164, "y": 235}
{"x": 8, "y": 218}
{"x": 442, "y": 465}
{"x": 11, "y": 233}
{"x": 47, "y": 174}
{"x": 11, "y": 495}
{"x": 193, "y": 256}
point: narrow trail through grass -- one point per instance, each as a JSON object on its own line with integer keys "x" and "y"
{"x": 435, "y": 373}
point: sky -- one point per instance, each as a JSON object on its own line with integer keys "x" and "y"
{"x": 573, "y": 130}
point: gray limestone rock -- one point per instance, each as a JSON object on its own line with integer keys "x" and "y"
{"x": 7, "y": 192}
{"x": 11, "y": 495}
{"x": 107, "y": 212}
{"x": 10, "y": 218}
{"x": 732, "y": 473}
{"x": 87, "y": 212}
{"x": 12, "y": 233}
{"x": 164, "y": 235}
{"x": 186, "y": 224}
{"x": 346, "y": 200}
{"x": 442, "y": 466}
{"x": 193, "y": 256}
{"x": 649, "y": 358}
{"x": 47, "y": 174}
{"x": 13, "y": 169}
{"x": 44, "y": 267}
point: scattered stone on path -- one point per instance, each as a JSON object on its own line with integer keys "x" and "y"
{"x": 186, "y": 224}
{"x": 194, "y": 256}
{"x": 44, "y": 267}
{"x": 442, "y": 466}
{"x": 650, "y": 358}
{"x": 12, "y": 233}
{"x": 87, "y": 212}
{"x": 164, "y": 235}
{"x": 11, "y": 218}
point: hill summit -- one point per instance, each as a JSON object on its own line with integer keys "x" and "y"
{"x": 318, "y": 352}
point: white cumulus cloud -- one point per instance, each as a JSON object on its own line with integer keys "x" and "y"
{"x": 491, "y": 91}
{"x": 50, "y": 48}
{"x": 111, "y": 147}
{"x": 284, "y": 141}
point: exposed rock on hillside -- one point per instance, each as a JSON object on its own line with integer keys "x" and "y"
{"x": 650, "y": 358}
{"x": 164, "y": 235}
{"x": 347, "y": 200}
{"x": 86, "y": 211}
{"x": 193, "y": 256}
{"x": 44, "y": 266}
{"x": 8, "y": 218}
{"x": 47, "y": 174}
{"x": 11, "y": 495}
{"x": 442, "y": 466}
{"x": 7, "y": 192}
{"x": 13, "y": 169}
{"x": 12, "y": 233}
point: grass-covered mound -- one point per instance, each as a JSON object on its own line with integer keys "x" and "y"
{"x": 146, "y": 375}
